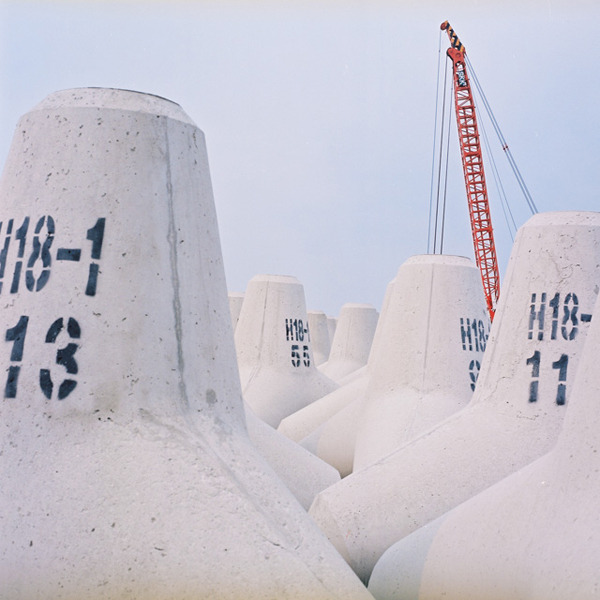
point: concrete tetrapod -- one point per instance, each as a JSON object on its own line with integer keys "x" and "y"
{"x": 335, "y": 440}
{"x": 304, "y": 474}
{"x": 307, "y": 420}
{"x": 437, "y": 326}
{"x": 331, "y": 325}
{"x": 236, "y": 299}
{"x": 125, "y": 464}
{"x": 532, "y": 536}
{"x": 319, "y": 335}
{"x": 274, "y": 351}
{"x": 352, "y": 341}
{"x": 517, "y": 409}
{"x": 339, "y": 414}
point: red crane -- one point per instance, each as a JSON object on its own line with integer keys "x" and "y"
{"x": 470, "y": 150}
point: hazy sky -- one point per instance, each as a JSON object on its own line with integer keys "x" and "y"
{"x": 319, "y": 116}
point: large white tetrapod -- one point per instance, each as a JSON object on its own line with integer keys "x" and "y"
{"x": 274, "y": 350}
{"x": 125, "y": 466}
{"x": 352, "y": 341}
{"x": 319, "y": 335}
{"x": 436, "y": 331}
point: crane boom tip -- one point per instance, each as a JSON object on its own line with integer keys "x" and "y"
{"x": 444, "y": 25}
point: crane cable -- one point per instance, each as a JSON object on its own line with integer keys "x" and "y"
{"x": 508, "y": 215}
{"x": 445, "y": 178}
{"x": 436, "y": 226}
{"x": 437, "y": 94}
{"x": 505, "y": 147}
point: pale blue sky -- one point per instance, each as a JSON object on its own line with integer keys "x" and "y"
{"x": 319, "y": 115}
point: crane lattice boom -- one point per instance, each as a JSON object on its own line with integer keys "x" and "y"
{"x": 472, "y": 162}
